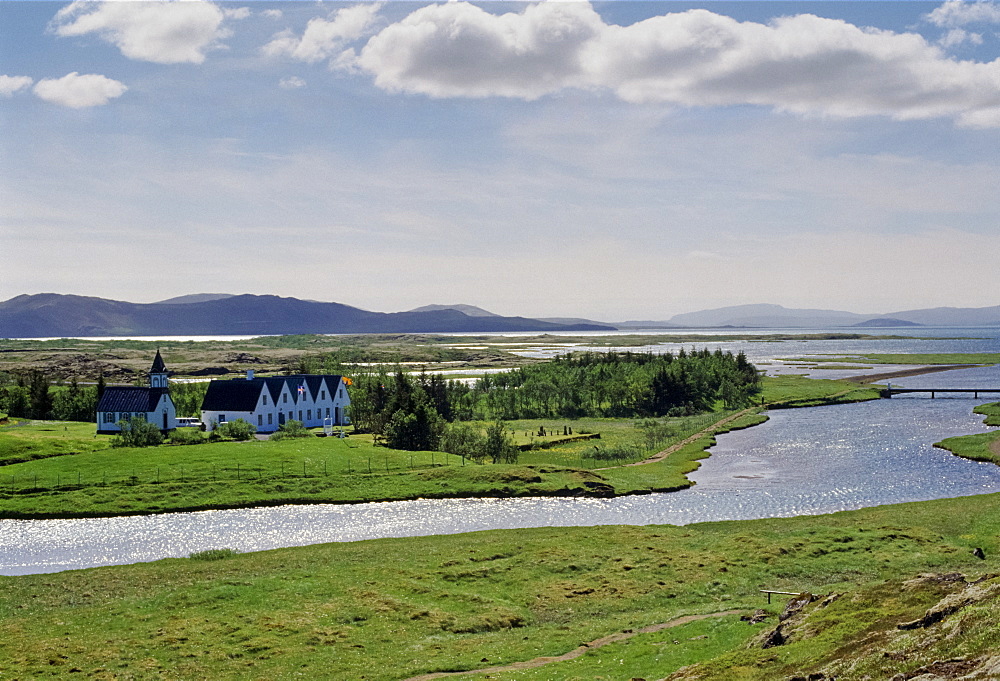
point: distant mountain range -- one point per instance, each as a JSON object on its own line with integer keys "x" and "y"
{"x": 776, "y": 316}
{"x": 48, "y": 315}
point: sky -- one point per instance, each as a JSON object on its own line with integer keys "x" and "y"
{"x": 614, "y": 160}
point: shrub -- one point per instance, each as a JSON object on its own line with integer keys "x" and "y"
{"x": 239, "y": 429}
{"x": 291, "y": 428}
{"x": 619, "y": 453}
{"x": 137, "y": 432}
{"x": 186, "y": 436}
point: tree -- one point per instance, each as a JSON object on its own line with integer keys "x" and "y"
{"x": 417, "y": 430}
{"x": 39, "y": 397}
{"x": 462, "y": 439}
{"x": 498, "y": 446}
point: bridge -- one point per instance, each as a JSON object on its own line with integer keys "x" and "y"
{"x": 892, "y": 390}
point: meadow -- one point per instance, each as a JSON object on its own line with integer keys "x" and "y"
{"x": 399, "y": 608}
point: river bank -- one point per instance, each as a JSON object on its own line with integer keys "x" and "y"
{"x": 389, "y": 609}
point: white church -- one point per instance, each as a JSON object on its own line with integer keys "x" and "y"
{"x": 316, "y": 400}
{"x": 152, "y": 403}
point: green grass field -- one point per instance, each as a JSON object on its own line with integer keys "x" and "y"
{"x": 394, "y": 608}
{"x": 60, "y": 469}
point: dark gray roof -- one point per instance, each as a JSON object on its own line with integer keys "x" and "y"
{"x": 241, "y": 394}
{"x": 123, "y": 398}
{"x": 235, "y": 395}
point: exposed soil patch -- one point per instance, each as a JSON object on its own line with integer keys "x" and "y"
{"x": 576, "y": 652}
{"x": 903, "y": 373}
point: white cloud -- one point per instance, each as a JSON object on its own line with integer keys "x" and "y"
{"x": 291, "y": 83}
{"x": 272, "y": 13}
{"x": 324, "y": 38}
{"x": 11, "y": 84}
{"x": 237, "y": 13}
{"x": 460, "y": 50}
{"x": 803, "y": 64}
{"x": 79, "y": 92}
{"x": 161, "y": 32}
{"x": 959, "y": 13}
{"x": 958, "y": 36}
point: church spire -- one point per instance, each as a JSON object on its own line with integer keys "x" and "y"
{"x": 158, "y": 372}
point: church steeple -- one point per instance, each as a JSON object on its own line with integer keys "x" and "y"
{"x": 158, "y": 372}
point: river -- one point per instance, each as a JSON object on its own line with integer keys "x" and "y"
{"x": 802, "y": 461}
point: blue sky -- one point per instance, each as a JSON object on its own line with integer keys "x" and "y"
{"x": 613, "y": 160}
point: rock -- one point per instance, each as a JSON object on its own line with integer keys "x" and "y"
{"x": 756, "y": 618}
{"x": 795, "y": 605}
{"x": 774, "y": 639}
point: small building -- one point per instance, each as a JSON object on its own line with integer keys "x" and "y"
{"x": 152, "y": 403}
{"x": 267, "y": 403}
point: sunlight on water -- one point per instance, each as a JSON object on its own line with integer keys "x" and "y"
{"x": 804, "y": 461}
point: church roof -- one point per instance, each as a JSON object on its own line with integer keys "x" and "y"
{"x": 130, "y": 398}
{"x": 158, "y": 366}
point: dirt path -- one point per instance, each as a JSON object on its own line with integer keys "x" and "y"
{"x": 577, "y": 652}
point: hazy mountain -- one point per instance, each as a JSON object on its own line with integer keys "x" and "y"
{"x": 195, "y": 298}
{"x": 952, "y": 316}
{"x": 470, "y": 310}
{"x": 767, "y": 315}
{"x": 778, "y": 316}
{"x": 55, "y": 315}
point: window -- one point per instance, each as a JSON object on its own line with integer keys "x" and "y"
{"x": 328, "y": 412}
{"x": 260, "y": 419}
{"x": 285, "y": 398}
{"x": 300, "y": 414}
{"x": 309, "y": 414}
{"x": 269, "y": 421}
{"x": 265, "y": 399}
{"x": 109, "y": 417}
{"x": 341, "y": 392}
{"x": 222, "y": 418}
{"x": 322, "y": 394}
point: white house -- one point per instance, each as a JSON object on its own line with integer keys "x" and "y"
{"x": 267, "y": 403}
{"x": 120, "y": 403}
